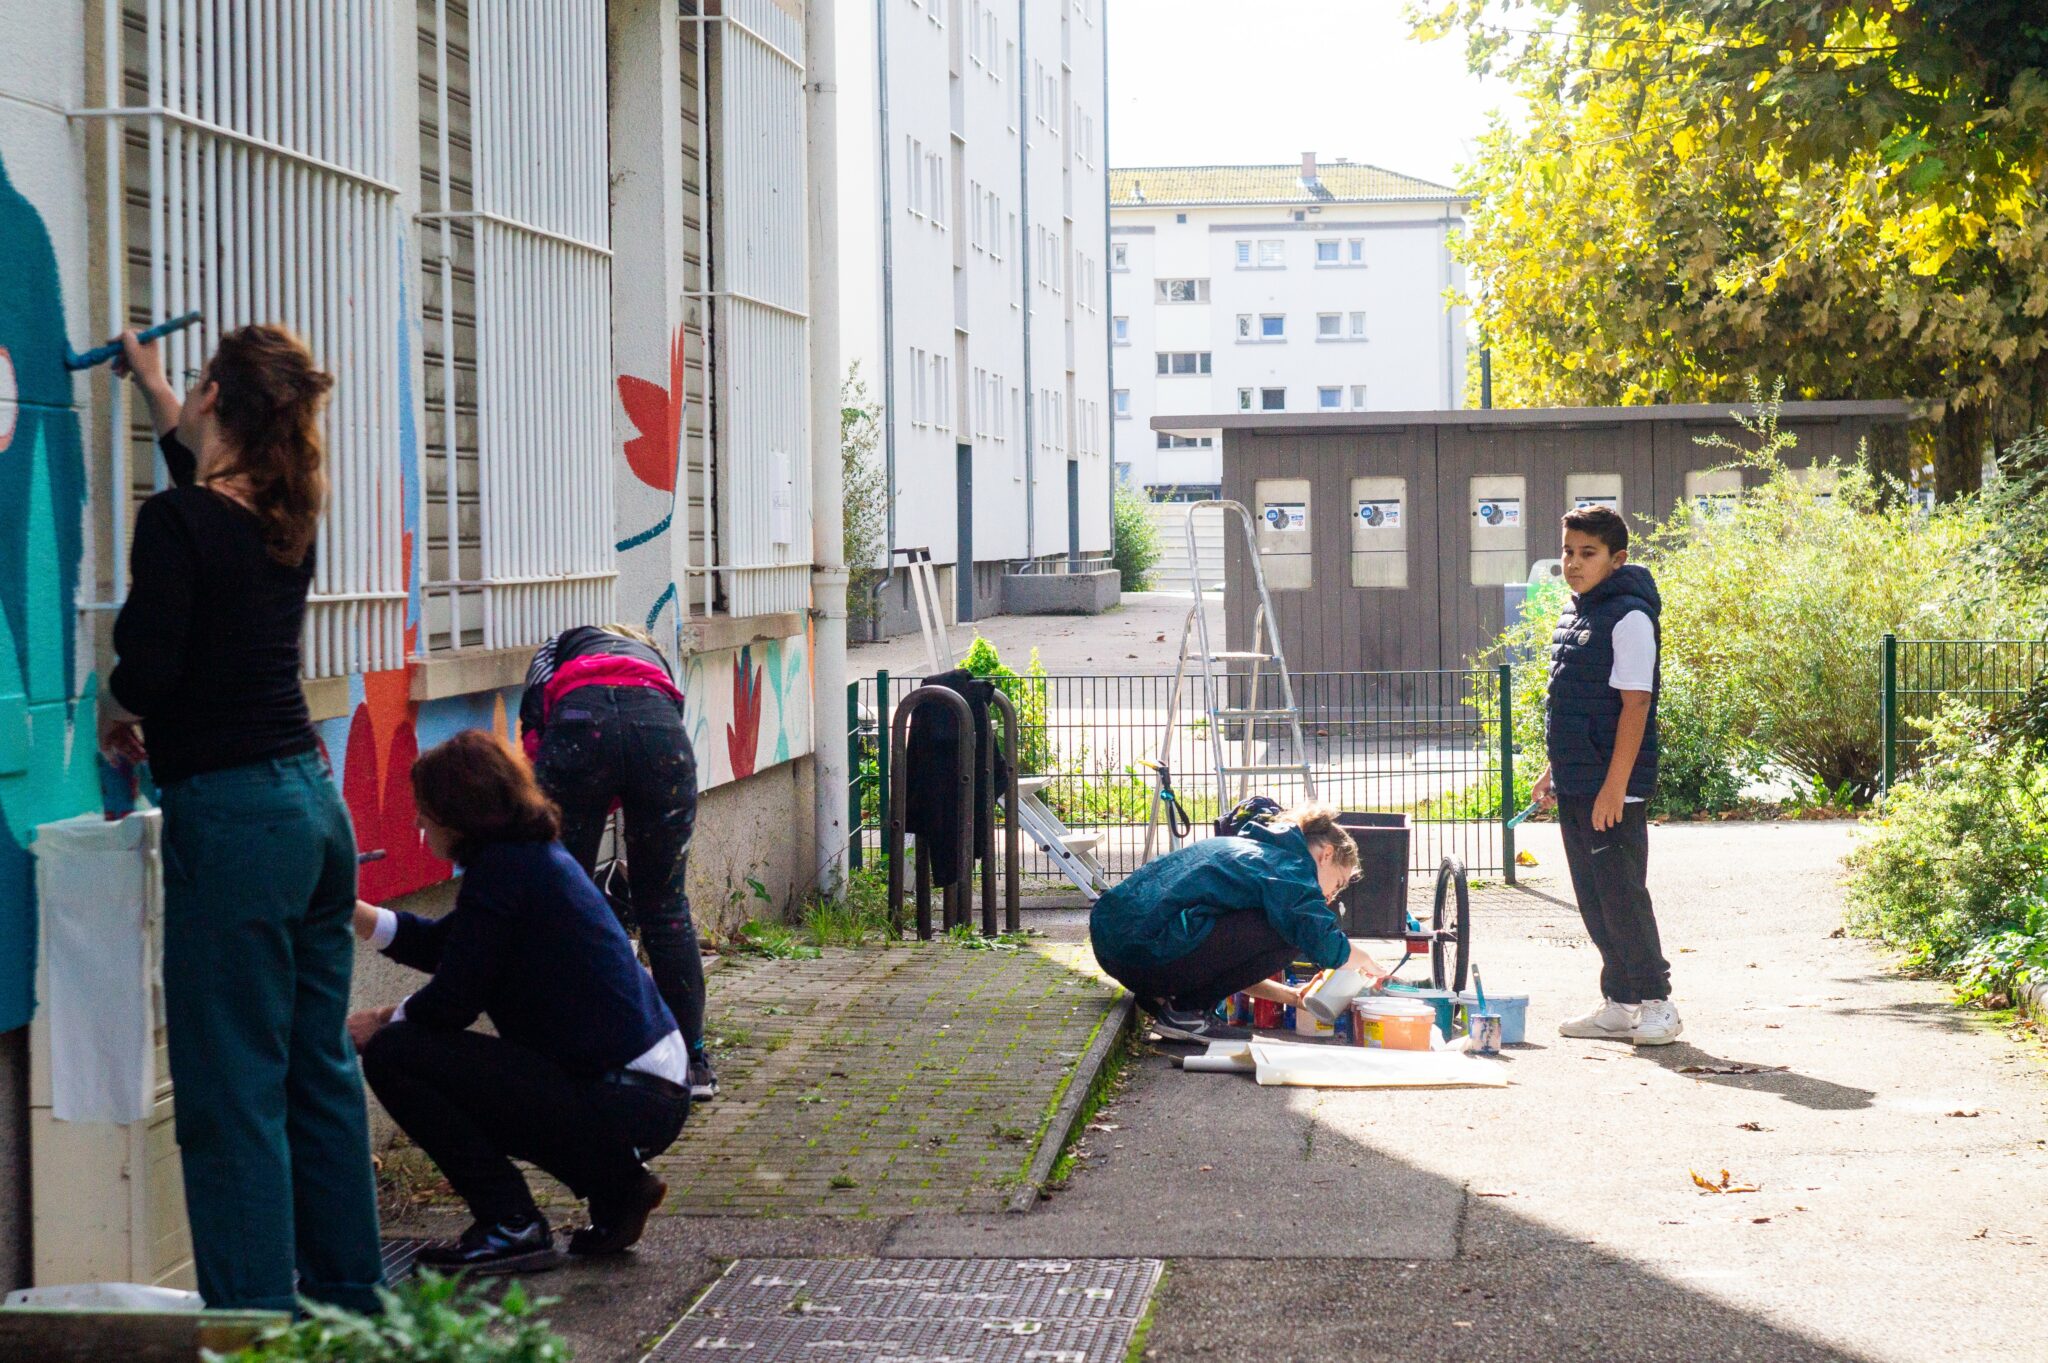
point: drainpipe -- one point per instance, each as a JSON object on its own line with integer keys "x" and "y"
{"x": 1024, "y": 94}
{"x": 828, "y": 502}
{"x": 1108, "y": 313}
{"x": 883, "y": 164}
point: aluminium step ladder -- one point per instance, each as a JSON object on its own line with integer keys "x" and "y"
{"x": 1073, "y": 853}
{"x": 931, "y": 618}
{"x": 1267, "y": 738}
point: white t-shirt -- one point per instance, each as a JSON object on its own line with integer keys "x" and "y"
{"x": 1635, "y": 659}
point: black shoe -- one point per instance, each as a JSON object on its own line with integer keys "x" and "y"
{"x": 615, "y": 1225}
{"x": 490, "y": 1250}
{"x": 1186, "y": 1021}
{"x": 703, "y": 1078}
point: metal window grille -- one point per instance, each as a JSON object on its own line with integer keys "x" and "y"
{"x": 750, "y": 86}
{"x": 516, "y": 306}
{"x": 252, "y": 195}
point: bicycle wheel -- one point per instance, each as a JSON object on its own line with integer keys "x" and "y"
{"x": 1450, "y": 945}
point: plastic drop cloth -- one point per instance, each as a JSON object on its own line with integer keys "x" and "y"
{"x": 1292, "y": 1065}
{"x": 94, "y": 892}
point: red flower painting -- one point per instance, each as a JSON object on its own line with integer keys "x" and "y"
{"x": 657, "y": 413}
{"x": 743, "y": 735}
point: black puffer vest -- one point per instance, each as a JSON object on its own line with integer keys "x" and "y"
{"x": 1584, "y": 709}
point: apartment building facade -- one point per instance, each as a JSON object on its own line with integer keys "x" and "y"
{"x": 556, "y": 256}
{"x": 1275, "y": 288}
{"x": 974, "y": 297}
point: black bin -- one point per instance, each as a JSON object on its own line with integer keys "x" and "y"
{"x": 1376, "y": 904}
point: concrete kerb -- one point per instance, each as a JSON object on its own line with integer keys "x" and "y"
{"x": 2033, "y": 1000}
{"x": 1109, "y": 1034}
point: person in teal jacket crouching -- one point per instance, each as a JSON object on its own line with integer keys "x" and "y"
{"x": 1188, "y": 930}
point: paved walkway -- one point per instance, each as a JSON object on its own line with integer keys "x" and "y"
{"x": 1898, "y": 1145}
{"x": 881, "y": 1081}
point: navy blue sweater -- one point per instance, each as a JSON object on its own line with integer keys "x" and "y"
{"x": 532, "y": 944}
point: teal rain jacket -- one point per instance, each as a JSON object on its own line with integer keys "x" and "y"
{"x": 1166, "y": 908}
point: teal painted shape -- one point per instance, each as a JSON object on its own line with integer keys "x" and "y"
{"x": 46, "y": 739}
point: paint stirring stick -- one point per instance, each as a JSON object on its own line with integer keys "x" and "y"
{"x": 100, "y": 354}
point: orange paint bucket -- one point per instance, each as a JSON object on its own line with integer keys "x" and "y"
{"x": 1392, "y": 1024}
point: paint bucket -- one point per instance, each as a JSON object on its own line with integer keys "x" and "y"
{"x": 1390, "y": 1023}
{"x": 1442, "y": 1001}
{"x": 1306, "y": 1023}
{"x": 1267, "y": 1015}
{"x": 1513, "y": 1010}
{"x": 1485, "y": 1031}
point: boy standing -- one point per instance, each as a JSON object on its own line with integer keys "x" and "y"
{"x": 1602, "y": 743}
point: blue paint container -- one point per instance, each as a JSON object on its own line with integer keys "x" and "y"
{"x": 1442, "y": 1000}
{"x": 1513, "y": 1010}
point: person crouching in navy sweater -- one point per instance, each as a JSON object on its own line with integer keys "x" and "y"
{"x": 588, "y": 1076}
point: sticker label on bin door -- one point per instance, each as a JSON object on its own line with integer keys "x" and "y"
{"x": 1611, "y": 503}
{"x": 1498, "y": 511}
{"x": 1286, "y": 515}
{"x": 1380, "y": 514}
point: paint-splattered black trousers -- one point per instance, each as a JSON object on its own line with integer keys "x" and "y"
{"x": 627, "y": 744}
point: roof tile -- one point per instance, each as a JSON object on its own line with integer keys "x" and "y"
{"x": 1338, "y": 182}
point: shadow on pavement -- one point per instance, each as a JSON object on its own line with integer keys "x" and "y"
{"x": 1822, "y": 1095}
{"x": 1288, "y": 1240}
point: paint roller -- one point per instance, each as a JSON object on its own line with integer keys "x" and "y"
{"x": 100, "y": 354}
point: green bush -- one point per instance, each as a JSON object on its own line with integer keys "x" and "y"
{"x": 429, "y": 1319}
{"x": 1960, "y": 853}
{"x": 1027, "y": 693}
{"x": 1136, "y": 547}
{"x": 1703, "y": 759}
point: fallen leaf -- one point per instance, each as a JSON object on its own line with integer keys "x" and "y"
{"x": 1687, "y": 951}
{"x": 1959, "y": 1112}
{"x": 1983, "y": 1234}
{"x": 1759, "y": 1220}
{"x": 1751, "y": 1126}
{"x": 1104, "y": 1126}
{"x": 1525, "y": 858}
{"x": 1733, "y": 1069}
{"x": 1208, "y": 1169}
{"x": 1726, "y": 1185}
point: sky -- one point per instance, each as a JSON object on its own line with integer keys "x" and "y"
{"x": 1217, "y": 82}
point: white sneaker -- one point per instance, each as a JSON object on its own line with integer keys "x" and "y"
{"x": 1657, "y": 1024}
{"x": 1611, "y": 1021}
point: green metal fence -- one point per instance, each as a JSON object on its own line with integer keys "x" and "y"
{"x": 1433, "y": 745}
{"x": 1916, "y": 677}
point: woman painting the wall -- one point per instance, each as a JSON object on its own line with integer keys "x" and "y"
{"x": 258, "y": 854}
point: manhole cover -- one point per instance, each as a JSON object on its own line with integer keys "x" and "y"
{"x": 918, "y": 1311}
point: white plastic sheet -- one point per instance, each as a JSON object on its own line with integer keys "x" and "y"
{"x": 95, "y": 897}
{"x": 1291, "y": 1065}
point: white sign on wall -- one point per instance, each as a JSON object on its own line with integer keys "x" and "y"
{"x": 1716, "y": 506}
{"x": 1285, "y": 516}
{"x": 1380, "y": 514}
{"x": 1581, "y": 503}
{"x": 1498, "y": 511}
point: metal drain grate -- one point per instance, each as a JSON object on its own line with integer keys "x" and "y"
{"x": 401, "y": 1257}
{"x": 918, "y": 1311}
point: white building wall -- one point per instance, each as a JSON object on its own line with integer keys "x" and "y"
{"x": 1410, "y": 355}
{"x": 1007, "y": 113}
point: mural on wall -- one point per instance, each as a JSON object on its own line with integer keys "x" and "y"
{"x": 746, "y": 709}
{"x": 654, "y": 456}
{"x": 46, "y": 739}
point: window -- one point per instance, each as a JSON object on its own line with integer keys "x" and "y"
{"x": 1329, "y": 325}
{"x": 1180, "y": 217}
{"x": 1183, "y": 290}
{"x": 1183, "y": 361}
{"x": 917, "y": 386}
{"x": 1329, "y": 399}
{"x": 1358, "y": 250}
{"x": 1272, "y": 327}
{"x": 1300, "y": 216}
{"x": 1358, "y": 397}
{"x": 1186, "y": 442}
{"x": 914, "y": 151}
{"x": 1120, "y": 330}
{"x": 1326, "y": 252}
{"x": 1244, "y": 399}
{"x": 1358, "y": 325}
{"x": 1119, "y": 255}
{"x": 1272, "y": 255}
{"x": 1244, "y": 255}
{"x": 1273, "y": 399}
{"x": 1123, "y": 404}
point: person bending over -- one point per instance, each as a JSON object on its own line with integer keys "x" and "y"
{"x": 587, "y": 1077}
{"x": 602, "y": 721}
{"x": 1191, "y": 928}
